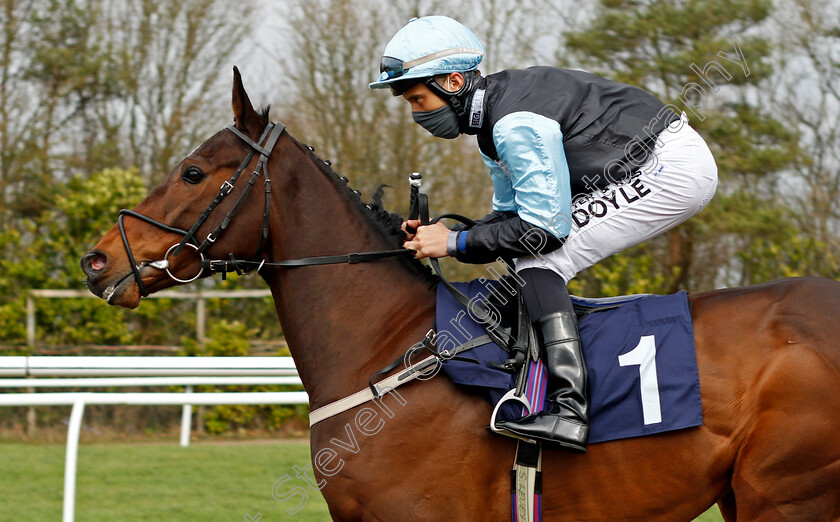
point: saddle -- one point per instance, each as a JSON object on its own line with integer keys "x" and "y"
{"x": 639, "y": 350}
{"x": 514, "y": 327}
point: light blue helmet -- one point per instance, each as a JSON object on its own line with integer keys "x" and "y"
{"x": 427, "y": 47}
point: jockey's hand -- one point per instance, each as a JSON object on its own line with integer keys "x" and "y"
{"x": 414, "y": 224}
{"x": 429, "y": 241}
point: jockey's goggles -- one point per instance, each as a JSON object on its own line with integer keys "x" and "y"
{"x": 394, "y": 67}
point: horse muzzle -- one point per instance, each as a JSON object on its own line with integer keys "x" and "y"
{"x": 105, "y": 280}
{"x": 118, "y": 288}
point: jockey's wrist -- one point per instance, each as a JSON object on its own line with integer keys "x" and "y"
{"x": 452, "y": 243}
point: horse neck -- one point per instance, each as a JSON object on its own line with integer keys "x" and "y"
{"x": 342, "y": 322}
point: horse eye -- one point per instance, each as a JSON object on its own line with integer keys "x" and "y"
{"x": 192, "y": 175}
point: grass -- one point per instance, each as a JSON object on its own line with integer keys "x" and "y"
{"x": 163, "y": 482}
{"x": 157, "y": 482}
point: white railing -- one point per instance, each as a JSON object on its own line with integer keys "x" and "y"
{"x": 140, "y": 365}
{"x": 28, "y": 372}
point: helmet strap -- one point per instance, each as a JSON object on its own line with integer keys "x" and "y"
{"x": 454, "y": 99}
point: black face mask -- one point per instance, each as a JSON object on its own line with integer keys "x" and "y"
{"x": 442, "y": 123}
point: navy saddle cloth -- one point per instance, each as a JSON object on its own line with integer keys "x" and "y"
{"x": 640, "y": 356}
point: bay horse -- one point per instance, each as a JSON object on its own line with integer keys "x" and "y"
{"x": 768, "y": 359}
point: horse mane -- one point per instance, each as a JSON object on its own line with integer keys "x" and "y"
{"x": 385, "y": 222}
{"x": 381, "y": 220}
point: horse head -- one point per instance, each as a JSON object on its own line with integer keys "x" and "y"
{"x": 167, "y": 238}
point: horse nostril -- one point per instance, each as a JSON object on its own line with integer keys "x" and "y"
{"x": 94, "y": 262}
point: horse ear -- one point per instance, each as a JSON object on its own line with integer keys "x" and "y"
{"x": 243, "y": 112}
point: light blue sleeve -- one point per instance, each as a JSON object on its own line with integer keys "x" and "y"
{"x": 503, "y": 197}
{"x": 532, "y": 158}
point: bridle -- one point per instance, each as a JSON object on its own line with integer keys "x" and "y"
{"x": 268, "y": 139}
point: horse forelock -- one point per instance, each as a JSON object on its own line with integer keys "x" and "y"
{"x": 264, "y": 111}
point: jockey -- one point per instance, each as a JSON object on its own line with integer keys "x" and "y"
{"x": 582, "y": 167}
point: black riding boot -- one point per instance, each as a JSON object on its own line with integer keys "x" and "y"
{"x": 566, "y": 422}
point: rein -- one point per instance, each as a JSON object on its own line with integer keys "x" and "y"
{"x": 223, "y": 266}
{"x": 269, "y": 137}
{"x": 419, "y": 208}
